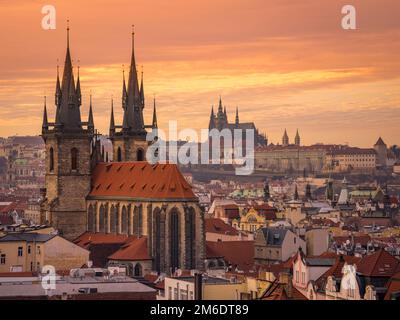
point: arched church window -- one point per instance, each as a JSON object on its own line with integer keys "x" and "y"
{"x": 124, "y": 222}
{"x": 140, "y": 155}
{"x": 174, "y": 239}
{"x": 113, "y": 219}
{"x": 74, "y": 159}
{"x": 102, "y": 214}
{"x": 51, "y": 155}
{"x": 119, "y": 154}
{"x": 138, "y": 270}
{"x": 91, "y": 219}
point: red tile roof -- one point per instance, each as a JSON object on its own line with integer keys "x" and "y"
{"x": 88, "y": 238}
{"x": 133, "y": 250}
{"x": 393, "y": 286}
{"x": 104, "y": 246}
{"x": 140, "y": 180}
{"x": 214, "y": 225}
{"x": 279, "y": 291}
{"x": 236, "y": 253}
{"x": 378, "y": 264}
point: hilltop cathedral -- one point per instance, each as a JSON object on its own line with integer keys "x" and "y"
{"x": 87, "y": 196}
{"x": 220, "y": 122}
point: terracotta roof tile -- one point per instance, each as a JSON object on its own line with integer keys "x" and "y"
{"x": 133, "y": 250}
{"x": 378, "y": 264}
{"x": 140, "y": 180}
{"x": 214, "y": 225}
{"x": 237, "y": 253}
{"x": 393, "y": 286}
{"x": 279, "y": 291}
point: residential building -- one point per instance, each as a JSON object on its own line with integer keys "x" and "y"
{"x": 276, "y": 244}
{"x": 27, "y": 252}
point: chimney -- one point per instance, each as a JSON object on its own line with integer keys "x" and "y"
{"x": 198, "y": 286}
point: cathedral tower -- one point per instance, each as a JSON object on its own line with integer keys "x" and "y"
{"x": 285, "y": 139}
{"x": 71, "y": 154}
{"x": 129, "y": 139}
{"x": 297, "y": 138}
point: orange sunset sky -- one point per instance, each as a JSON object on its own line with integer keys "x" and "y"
{"x": 286, "y": 64}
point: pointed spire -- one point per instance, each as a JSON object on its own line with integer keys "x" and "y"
{"x": 297, "y": 138}
{"x": 237, "y": 116}
{"x": 211, "y": 124}
{"x": 142, "y": 90}
{"x": 112, "y": 122}
{"x": 154, "y": 125}
{"x": 220, "y": 105}
{"x": 58, "y": 88}
{"x": 124, "y": 92}
{"x": 133, "y": 114}
{"x": 285, "y": 139}
{"x": 45, "y": 124}
{"x": 78, "y": 88}
{"x": 68, "y": 114}
{"x": 90, "y": 119}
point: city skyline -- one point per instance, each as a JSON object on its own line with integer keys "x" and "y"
{"x": 335, "y": 86}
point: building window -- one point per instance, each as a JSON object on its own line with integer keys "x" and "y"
{"x": 169, "y": 293}
{"x": 38, "y": 250}
{"x": 29, "y": 249}
{"x": 74, "y": 159}
{"x": 38, "y": 266}
{"x": 20, "y": 251}
{"x": 119, "y": 154}
{"x": 140, "y": 155}
{"x": 51, "y": 160}
{"x": 3, "y": 259}
{"x": 138, "y": 270}
{"x": 31, "y": 266}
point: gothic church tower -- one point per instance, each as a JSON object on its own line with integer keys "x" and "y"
{"x": 129, "y": 139}
{"x": 71, "y": 154}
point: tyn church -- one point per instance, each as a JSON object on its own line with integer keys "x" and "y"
{"x": 87, "y": 196}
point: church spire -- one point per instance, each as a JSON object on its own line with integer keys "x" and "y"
{"x": 133, "y": 113}
{"x": 285, "y": 139}
{"x": 78, "y": 88}
{"x": 211, "y": 124}
{"x": 112, "y": 122}
{"x": 45, "y": 124}
{"x": 220, "y": 105}
{"x": 124, "y": 92}
{"x": 142, "y": 90}
{"x": 58, "y": 88}
{"x": 90, "y": 118}
{"x": 69, "y": 116}
{"x": 297, "y": 138}
{"x": 237, "y": 116}
{"x": 154, "y": 124}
